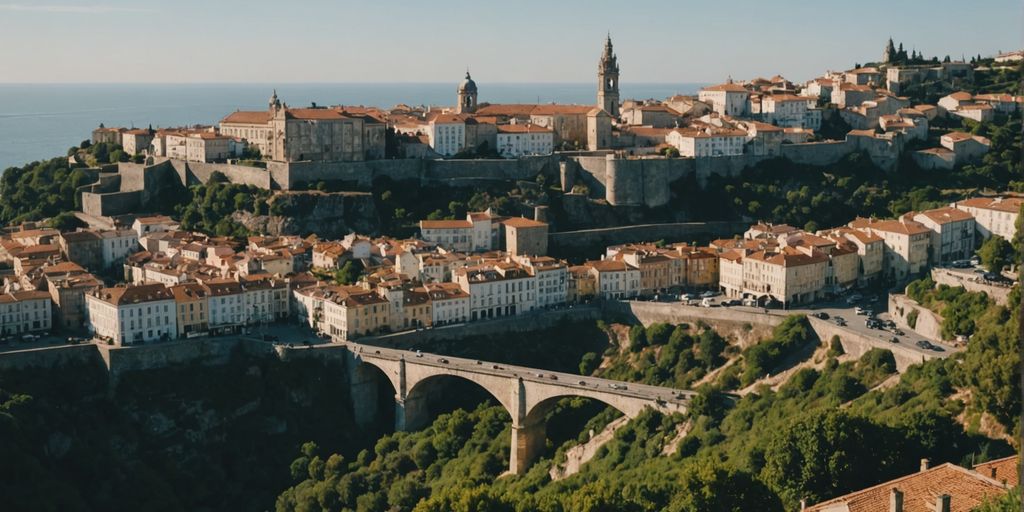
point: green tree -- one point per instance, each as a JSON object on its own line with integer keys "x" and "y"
{"x": 995, "y": 253}
{"x": 589, "y": 362}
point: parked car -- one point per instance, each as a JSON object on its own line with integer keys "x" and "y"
{"x": 925, "y": 344}
{"x": 708, "y": 294}
{"x": 962, "y": 264}
{"x": 898, "y": 332}
{"x": 859, "y": 310}
{"x": 894, "y": 339}
{"x": 822, "y": 315}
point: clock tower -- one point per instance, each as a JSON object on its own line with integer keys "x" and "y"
{"x": 608, "y": 80}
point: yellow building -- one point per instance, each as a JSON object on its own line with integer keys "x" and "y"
{"x": 191, "y": 304}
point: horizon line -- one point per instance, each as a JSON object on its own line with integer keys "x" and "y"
{"x": 335, "y": 83}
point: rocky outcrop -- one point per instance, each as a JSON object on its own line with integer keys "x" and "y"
{"x": 328, "y": 214}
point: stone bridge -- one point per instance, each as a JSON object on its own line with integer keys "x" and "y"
{"x": 527, "y": 394}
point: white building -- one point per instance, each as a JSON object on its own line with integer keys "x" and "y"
{"x": 447, "y": 133}
{"x": 500, "y": 289}
{"x": 952, "y": 233}
{"x": 117, "y": 244}
{"x": 728, "y": 99}
{"x": 707, "y": 141}
{"x": 789, "y": 111}
{"x": 25, "y": 311}
{"x": 993, "y": 215}
{"x": 551, "y": 276}
{"x": 450, "y": 304}
{"x": 133, "y": 314}
{"x": 516, "y": 140}
{"x": 472, "y": 234}
{"x": 228, "y": 311}
{"x": 155, "y": 224}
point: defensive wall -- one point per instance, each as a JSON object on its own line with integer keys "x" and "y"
{"x": 636, "y": 181}
{"x": 595, "y": 240}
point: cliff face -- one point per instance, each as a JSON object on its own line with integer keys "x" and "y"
{"x": 328, "y": 214}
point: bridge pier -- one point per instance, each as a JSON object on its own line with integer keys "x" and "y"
{"x": 411, "y": 413}
{"x": 527, "y": 445}
{"x": 363, "y": 393}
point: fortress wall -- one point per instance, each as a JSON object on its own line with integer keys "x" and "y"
{"x": 112, "y": 203}
{"x": 239, "y": 174}
{"x": 818, "y": 153}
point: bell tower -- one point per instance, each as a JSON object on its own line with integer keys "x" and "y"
{"x": 466, "y": 96}
{"x": 608, "y": 80}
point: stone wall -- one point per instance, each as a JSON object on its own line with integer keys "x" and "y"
{"x": 191, "y": 173}
{"x": 928, "y": 324}
{"x": 112, "y": 203}
{"x": 592, "y": 240}
{"x": 520, "y": 323}
{"x": 1000, "y": 294}
{"x": 744, "y": 326}
{"x": 50, "y": 357}
{"x": 207, "y": 351}
{"x": 856, "y": 344}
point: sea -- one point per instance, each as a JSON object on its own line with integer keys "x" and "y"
{"x": 40, "y": 121}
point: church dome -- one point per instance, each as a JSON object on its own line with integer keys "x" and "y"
{"x": 467, "y": 84}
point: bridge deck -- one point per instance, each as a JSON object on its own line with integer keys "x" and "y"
{"x": 567, "y": 380}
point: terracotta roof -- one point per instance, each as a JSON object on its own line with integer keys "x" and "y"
{"x": 314, "y": 114}
{"x": 80, "y": 236}
{"x": 124, "y": 295}
{"x": 1008, "y": 204}
{"x": 522, "y": 128}
{"x": 967, "y": 489}
{"x": 946, "y": 215}
{"x": 960, "y": 96}
{"x": 609, "y": 266}
{"x": 523, "y": 222}
{"x": 445, "y": 224}
{"x": 904, "y": 227}
{"x": 247, "y": 117}
{"x": 726, "y": 88}
{"x": 1005, "y": 470}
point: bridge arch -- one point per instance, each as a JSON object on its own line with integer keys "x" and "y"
{"x": 415, "y": 406}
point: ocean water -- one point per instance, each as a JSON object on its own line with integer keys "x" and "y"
{"x": 39, "y": 121}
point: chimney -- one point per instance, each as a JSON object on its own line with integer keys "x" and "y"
{"x": 942, "y": 503}
{"x": 924, "y": 464}
{"x": 895, "y": 500}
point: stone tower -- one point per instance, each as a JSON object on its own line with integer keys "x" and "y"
{"x": 608, "y": 80}
{"x": 467, "y": 96}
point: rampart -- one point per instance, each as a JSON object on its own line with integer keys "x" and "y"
{"x": 1000, "y": 294}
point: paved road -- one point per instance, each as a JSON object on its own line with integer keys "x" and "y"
{"x": 568, "y": 380}
{"x": 856, "y": 323}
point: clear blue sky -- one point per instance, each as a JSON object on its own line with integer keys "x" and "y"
{"x": 510, "y": 41}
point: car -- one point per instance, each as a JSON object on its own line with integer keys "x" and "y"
{"x": 855, "y": 297}
{"x": 582, "y": 383}
{"x": 685, "y": 297}
{"x": 479, "y": 362}
{"x": 961, "y": 264}
{"x": 419, "y": 353}
{"x": 495, "y": 367}
{"x": 859, "y": 310}
{"x": 706, "y": 303}
{"x": 841, "y": 322}
{"x": 870, "y": 313}
{"x": 552, "y": 376}
{"x": 894, "y": 339}
{"x": 708, "y": 294}
{"x": 838, "y": 319}
{"x": 938, "y": 348}
{"x": 898, "y": 332}
{"x": 925, "y": 344}
{"x": 442, "y": 360}
{"x": 822, "y": 315}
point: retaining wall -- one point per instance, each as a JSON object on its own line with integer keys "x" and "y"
{"x": 1000, "y": 294}
{"x": 928, "y": 323}
{"x": 857, "y": 344}
{"x": 520, "y": 323}
{"x": 50, "y": 357}
{"x": 582, "y": 240}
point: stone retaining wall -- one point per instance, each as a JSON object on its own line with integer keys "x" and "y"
{"x": 856, "y": 344}
{"x": 1000, "y": 294}
{"x": 928, "y": 323}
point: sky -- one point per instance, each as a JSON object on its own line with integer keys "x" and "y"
{"x": 683, "y": 41}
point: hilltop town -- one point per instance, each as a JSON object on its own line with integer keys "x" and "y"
{"x": 135, "y": 269}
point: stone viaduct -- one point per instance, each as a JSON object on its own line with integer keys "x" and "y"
{"x": 527, "y": 394}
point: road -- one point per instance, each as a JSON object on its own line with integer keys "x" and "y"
{"x": 856, "y": 323}
{"x": 568, "y": 380}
